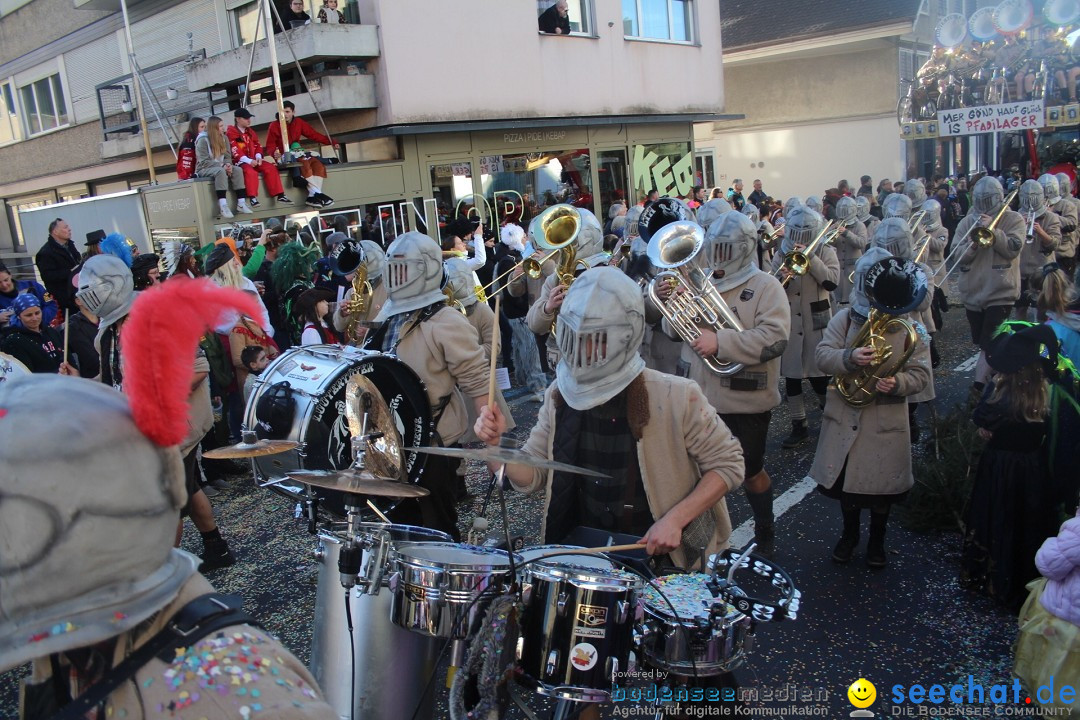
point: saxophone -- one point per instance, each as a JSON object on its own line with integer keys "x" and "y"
{"x": 357, "y": 307}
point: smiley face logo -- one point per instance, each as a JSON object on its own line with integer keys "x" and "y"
{"x": 862, "y": 693}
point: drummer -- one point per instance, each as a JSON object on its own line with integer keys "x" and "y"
{"x": 602, "y": 413}
{"x": 441, "y": 347}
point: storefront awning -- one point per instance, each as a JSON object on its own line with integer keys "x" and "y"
{"x": 532, "y": 123}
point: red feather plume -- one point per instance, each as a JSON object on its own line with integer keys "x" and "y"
{"x": 160, "y": 337}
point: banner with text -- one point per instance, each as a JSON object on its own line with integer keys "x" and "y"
{"x": 991, "y": 118}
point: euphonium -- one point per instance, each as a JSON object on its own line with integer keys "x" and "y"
{"x": 357, "y": 306}
{"x": 674, "y": 249}
{"x": 903, "y": 288}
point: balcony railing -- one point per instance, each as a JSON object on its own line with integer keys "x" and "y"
{"x": 165, "y": 95}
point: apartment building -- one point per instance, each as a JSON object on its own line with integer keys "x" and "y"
{"x": 438, "y": 107}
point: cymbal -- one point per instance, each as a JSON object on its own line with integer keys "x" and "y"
{"x": 510, "y": 456}
{"x": 358, "y": 482}
{"x": 250, "y": 450}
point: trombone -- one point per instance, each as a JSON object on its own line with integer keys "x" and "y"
{"x": 980, "y": 236}
{"x": 797, "y": 262}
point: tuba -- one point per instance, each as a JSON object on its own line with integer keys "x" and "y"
{"x": 894, "y": 288}
{"x": 674, "y": 249}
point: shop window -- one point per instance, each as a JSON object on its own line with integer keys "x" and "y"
{"x": 518, "y": 187}
{"x": 612, "y": 173}
{"x": 667, "y": 168}
{"x": 705, "y": 170}
{"x": 565, "y": 17}
{"x": 10, "y": 127}
{"x": 43, "y": 104}
{"x": 671, "y": 20}
{"x": 452, "y": 189}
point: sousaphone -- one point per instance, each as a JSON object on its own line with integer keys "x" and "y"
{"x": 1012, "y": 17}
{"x": 951, "y": 31}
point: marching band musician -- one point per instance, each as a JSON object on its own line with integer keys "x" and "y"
{"x": 669, "y": 458}
{"x": 441, "y": 347}
{"x": 808, "y": 301}
{"x": 863, "y": 456}
{"x": 989, "y": 281}
{"x": 590, "y": 249}
{"x": 361, "y": 320}
{"x": 850, "y": 245}
{"x": 746, "y": 399}
{"x": 862, "y": 212}
{"x": 1059, "y": 198}
{"x": 916, "y": 193}
{"x": 764, "y": 230}
{"x": 1042, "y": 230}
{"x": 893, "y": 239}
{"x": 934, "y": 259}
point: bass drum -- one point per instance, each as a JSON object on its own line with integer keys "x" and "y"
{"x": 300, "y": 396}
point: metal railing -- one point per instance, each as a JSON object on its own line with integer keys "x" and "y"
{"x": 164, "y": 90}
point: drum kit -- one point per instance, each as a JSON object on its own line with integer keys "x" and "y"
{"x": 327, "y": 425}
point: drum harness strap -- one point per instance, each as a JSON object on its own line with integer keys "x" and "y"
{"x": 194, "y": 621}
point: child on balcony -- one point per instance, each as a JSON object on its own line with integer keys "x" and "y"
{"x": 329, "y": 13}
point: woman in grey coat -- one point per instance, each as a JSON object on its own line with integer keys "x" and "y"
{"x": 213, "y": 160}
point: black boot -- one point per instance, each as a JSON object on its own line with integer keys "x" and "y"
{"x": 799, "y": 434}
{"x": 216, "y": 553}
{"x": 875, "y": 546}
{"x": 845, "y": 548}
{"x": 913, "y": 422}
{"x": 764, "y": 530}
{"x": 935, "y": 357}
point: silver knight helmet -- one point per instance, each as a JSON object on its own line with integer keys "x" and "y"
{"x": 600, "y": 328}
{"x": 801, "y": 227}
{"x": 1051, "y": 188}
{"x": 729, "y": 249}
{"x": 896, "y": 205}
{"x": 987, "y": 196}
{"x": 1032, "y": 199}
{"x": 414, "y": 274}
{"x": 862, "y": 208}
{"x": 893, "y": 236}
{"x": 847, "y": 211}
{"x": 932, "y": 219}
{"x": 916, "y": 192}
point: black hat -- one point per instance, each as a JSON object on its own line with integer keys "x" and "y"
{"x": 143, "y": 263}
{"x": 345, "y": 257}
{"x": 462, "y": 227}
{"x": 1011, "y": 351}
{"x": 218, "y": 257}
{"x": 243, "y": 113}
{"x": 95, "y": 237}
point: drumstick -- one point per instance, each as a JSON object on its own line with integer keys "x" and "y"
{"x": 377, "y": 512}
{"x": 67, "y": 322}
{"x": 494, "y": 351}
{"x": 595, "y": 550}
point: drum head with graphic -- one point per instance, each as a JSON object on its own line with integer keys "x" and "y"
{"x": 317, "y": 376}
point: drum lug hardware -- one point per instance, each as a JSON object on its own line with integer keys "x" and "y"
{"x": 526, "y": 594}
{"x": 561, "y": 605}
{"x": 320, "y": 552}
{"x": 552, "y": 663}
{"x": 393, "y": 581}
{"x": 622, "y": 610}
{"x": 444, "y": 588}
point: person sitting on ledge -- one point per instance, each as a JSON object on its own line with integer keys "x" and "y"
{"x": 312, "y": 169}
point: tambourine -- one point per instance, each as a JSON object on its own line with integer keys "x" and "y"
{"x": 761, "y": 610}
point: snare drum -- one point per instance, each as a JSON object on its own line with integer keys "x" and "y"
{"x": 438, "y": 586}
{"x": 391, "y": 666}
{"x": 689, "y": 641}
{"x": 577, "y": 629}
{"x": 307, "y": 387}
